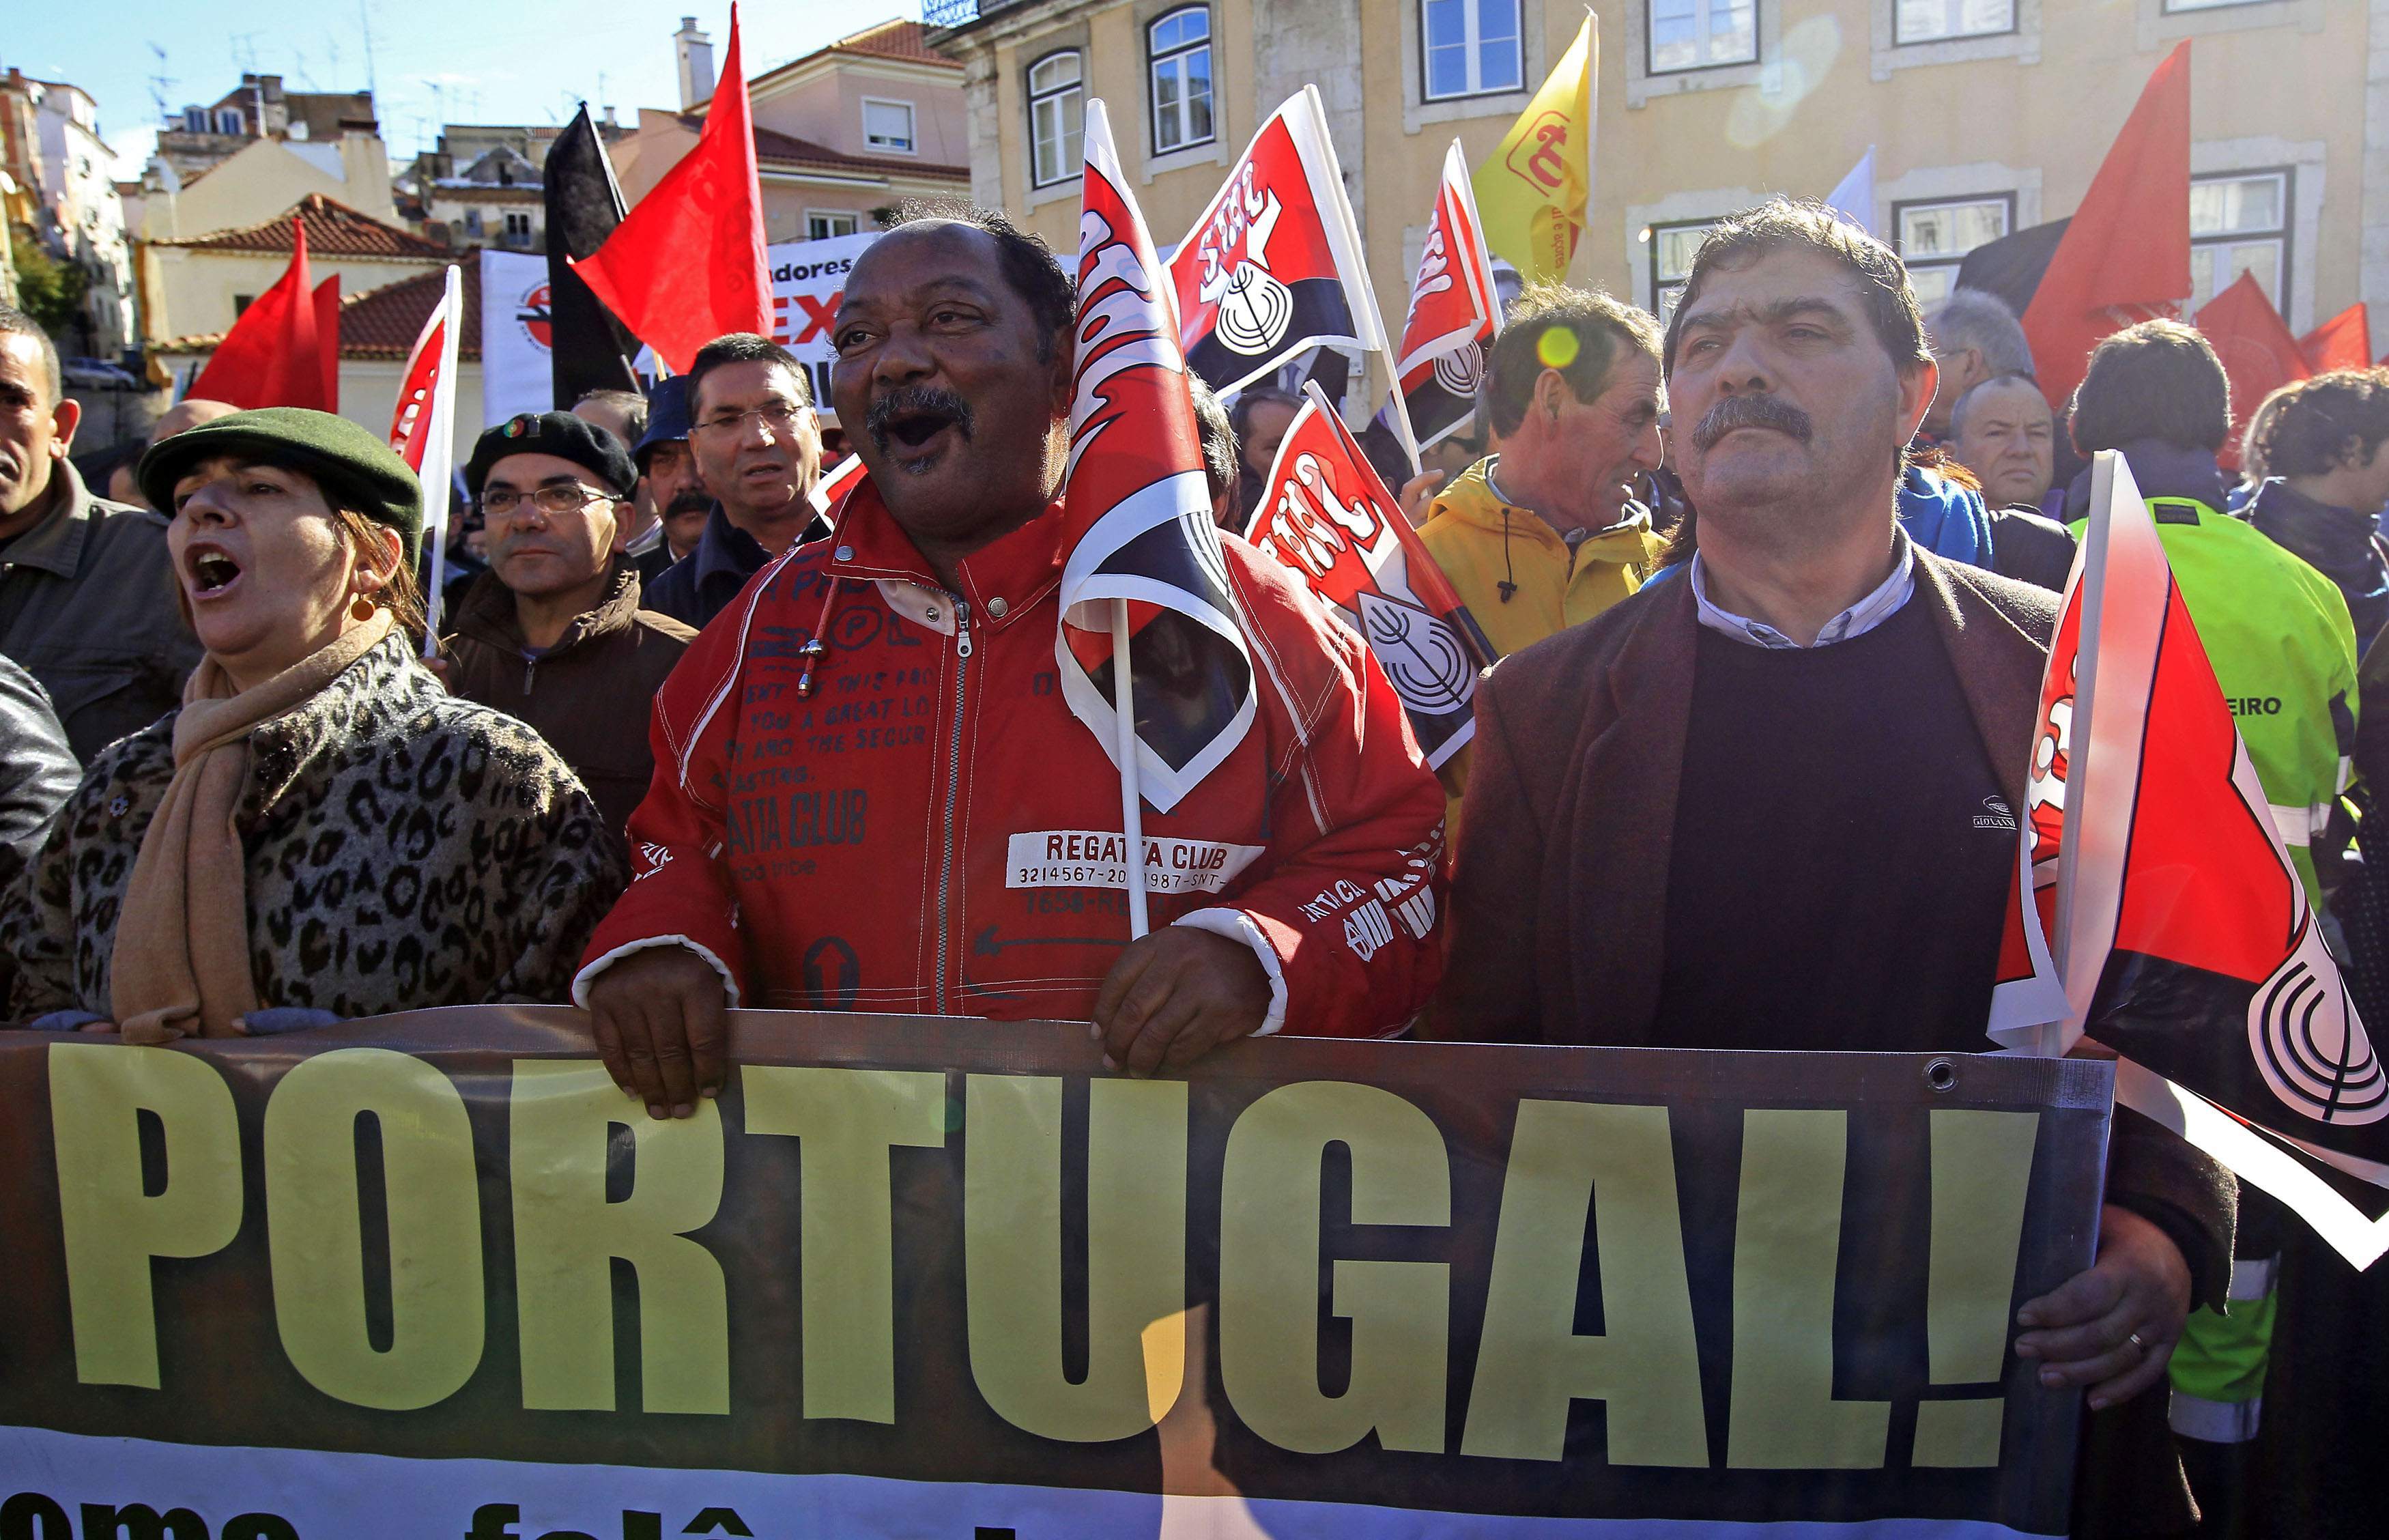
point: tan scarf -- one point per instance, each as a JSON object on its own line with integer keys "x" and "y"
{"x": 181, "y": 961}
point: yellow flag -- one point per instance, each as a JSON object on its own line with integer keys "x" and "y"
{"x": 1534, "y": 190}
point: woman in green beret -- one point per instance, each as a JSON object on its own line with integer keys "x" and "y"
{"x": 320, "y": 831}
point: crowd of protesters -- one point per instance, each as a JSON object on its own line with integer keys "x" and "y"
{"x": 1774, "y": 583}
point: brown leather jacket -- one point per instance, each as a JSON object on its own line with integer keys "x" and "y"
{"x": 591, "y": 695}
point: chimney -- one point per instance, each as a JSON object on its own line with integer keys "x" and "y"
{"x": 696, "y": 53}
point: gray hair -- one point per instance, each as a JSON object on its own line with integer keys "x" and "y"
{"x": 1957, "y": 412}
{"x": 1219, "y": 437}
{"x": 1978, "y": 319}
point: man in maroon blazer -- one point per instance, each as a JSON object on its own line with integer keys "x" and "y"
{"x": 1770, "y": 803}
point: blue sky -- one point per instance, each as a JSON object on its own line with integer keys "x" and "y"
{"x": 433, "y": 61}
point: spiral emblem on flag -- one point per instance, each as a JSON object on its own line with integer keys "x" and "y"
{"x": 2309, "y": 1044}
{"x": 1255, "y": 311}
{"x": 1422, "y": 659}
{"x": 1460, "y": 371}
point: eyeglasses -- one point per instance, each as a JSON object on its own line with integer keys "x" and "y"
{"x": 563, "y": 497}
{"x": 778, "y": 417}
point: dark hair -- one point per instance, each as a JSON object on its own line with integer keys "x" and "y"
{"x": 15, "y": 320}
{"x": 401, "y": 594}
{"x": 1219, "y": 437}
{"x": 1028, "y": 265}
{"x": 2159, "y": 380}
{"x": 1958, "y": 411}
{"x": 630, "y": 404}
{"x": 1807, "y": 225}
{"x": 2304, "y": 428}
{"x": 1596, "y": 327}
{"x": 744, "y": 347}
{"x": 1240, "y": 414}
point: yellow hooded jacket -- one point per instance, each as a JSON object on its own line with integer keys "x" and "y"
{"x": 1481, "y": 542}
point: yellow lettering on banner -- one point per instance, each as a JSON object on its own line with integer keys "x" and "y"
{"x": 1269, "y": 1271}
{"x": 112, "y": 1228}
{"x": 1136, "y": 1253}
{"x": 1567, "y": 1159}
{"x": 316, "y": 1240}
{"x": 847, "y": 1121}
{"x": 1982, "y": 1176}
{"x": 561, "y": 1122}
{"x": 1787, "y": 1243}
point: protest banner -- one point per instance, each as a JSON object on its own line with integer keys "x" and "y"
{"x": 433, "y": 1275}
{"x": 807, "y": 278}
{"x": 518, "y": 336}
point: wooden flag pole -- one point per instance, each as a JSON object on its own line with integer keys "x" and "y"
{"x": 1131, "y": 795}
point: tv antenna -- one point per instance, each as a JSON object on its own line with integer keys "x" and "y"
{"x": 160, "y": 82}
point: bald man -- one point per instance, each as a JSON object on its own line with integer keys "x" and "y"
{"x": 184, "y": 415}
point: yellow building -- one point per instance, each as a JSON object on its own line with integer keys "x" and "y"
{"x": 198, "y": 287}
{"x": 1987, "y": 116}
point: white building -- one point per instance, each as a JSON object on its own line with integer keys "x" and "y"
{"x": 69, "y": 166}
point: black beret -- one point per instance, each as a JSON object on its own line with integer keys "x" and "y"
{"x": 355, "y": 469}
{"x": 560, "y": 435}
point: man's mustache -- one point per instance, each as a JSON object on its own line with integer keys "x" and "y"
{"x": 1751, "y": 411}
{"x": 914, "y": 398}
{"x": 692, "y": 500}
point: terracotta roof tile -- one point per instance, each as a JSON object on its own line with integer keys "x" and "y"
{"x": 786, "y": 149}
{"x": 384, "y": 323}
{"x": 898, "y": 39}
{"x": 333, "y": 230}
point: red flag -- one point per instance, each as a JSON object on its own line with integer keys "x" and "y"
{"x": 1273, "y": 263}
{"x": 2126, "y": 256}
{"x": 423, "y": 424}
{"x": 1454, "y": 314}
{"x": 2259, "y": 356}
{"x": 688, "y": 265}
{"x": 2342, "y": 343}
{"x": 270, "y": 357}
{"x": 328, "y": 339}
{"x": 2191, "y": 949}
{"x": 1328, "y": 517}
{"x": 1137, "y": 506}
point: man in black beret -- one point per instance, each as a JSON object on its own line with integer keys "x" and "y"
{"x": 552, "y": 633}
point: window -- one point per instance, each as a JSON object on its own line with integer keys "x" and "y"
{"x": 241, "y": 302}
{"x": 824, "y": 227}
{"x": 1671, "y": 261}
{"x": 1180, "y": 47}
{"x": 228, "y": 120}
{"x": 2175, "y": 7}
{"x": 2239, "y": 223}
{"x": 888, "y": 125}
{"x": 195, "y": 120}
{"x": 518, "y": 227}
{"x": 472, "y": 222}
{"x": 1934, "y": 238}
{"x": 1940, "y": 20}
{"x": 1472, "y": 47}
{"x": 1701, "y": 34}
{"x": 1057, "y": 111}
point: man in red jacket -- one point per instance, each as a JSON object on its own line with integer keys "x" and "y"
{"x": 870, "y": 793}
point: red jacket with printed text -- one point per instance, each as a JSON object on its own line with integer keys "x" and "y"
{"x": 931, "y": 831}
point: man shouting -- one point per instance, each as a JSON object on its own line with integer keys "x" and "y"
{"x": 870, "y": 794}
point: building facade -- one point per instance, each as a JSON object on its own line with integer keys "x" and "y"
{"x": 200, "y": 286}
{"x": 1986, "y": 116}
{"x": 50, "y": 145}
{"x": 201, "y": 137}
{"x": 840, "y": 133}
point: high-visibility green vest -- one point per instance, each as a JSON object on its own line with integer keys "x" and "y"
{"x": 2283, "y": 649}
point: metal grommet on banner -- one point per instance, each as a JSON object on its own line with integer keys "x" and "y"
{"x": 1941, "y": 1075}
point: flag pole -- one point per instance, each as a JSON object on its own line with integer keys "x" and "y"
{"x": 1132, "y": 796}
{"x": 2092, "y": 581}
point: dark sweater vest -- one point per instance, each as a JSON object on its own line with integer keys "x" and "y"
{"x": 1842, "y": 851}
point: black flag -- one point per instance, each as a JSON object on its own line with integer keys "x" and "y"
{"x": 2011, "y": 266}
{"x": 590, "y": 350}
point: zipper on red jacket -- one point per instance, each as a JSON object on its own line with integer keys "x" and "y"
{"x": 954, "y": 783}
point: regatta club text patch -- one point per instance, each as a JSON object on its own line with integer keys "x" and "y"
{"x": 1096, "y": 858}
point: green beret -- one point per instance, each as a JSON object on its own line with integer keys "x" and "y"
{"x": 355, "y": 469}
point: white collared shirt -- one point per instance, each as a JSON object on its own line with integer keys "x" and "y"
{"x": 1856, "y": 620}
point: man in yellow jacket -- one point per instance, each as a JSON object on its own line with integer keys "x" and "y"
{"x": 1544, "y": 531}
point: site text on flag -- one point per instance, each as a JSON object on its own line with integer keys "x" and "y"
{"x": 1327, "y": 517}
{"x": 1273, "y": 266}
{"x": 1455, "y": 312}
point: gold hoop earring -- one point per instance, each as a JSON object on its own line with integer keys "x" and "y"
{"x": 361, "y": 609}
